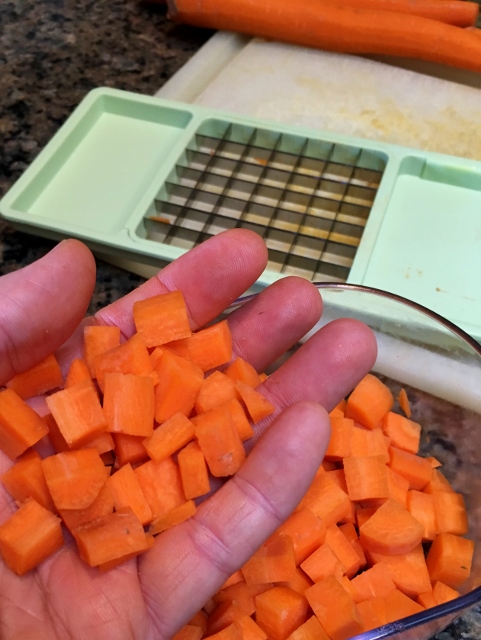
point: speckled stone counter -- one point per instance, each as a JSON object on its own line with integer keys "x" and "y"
{"x": 52, "y": 52}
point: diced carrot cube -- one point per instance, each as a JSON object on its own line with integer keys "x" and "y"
{"x": 20, "y": 426}
{"x": 162, "y": 318}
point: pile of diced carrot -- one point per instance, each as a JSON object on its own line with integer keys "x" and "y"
{"x": 138, "y": 427}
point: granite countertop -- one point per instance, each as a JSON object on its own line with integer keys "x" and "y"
{"x": 52, "y": 53}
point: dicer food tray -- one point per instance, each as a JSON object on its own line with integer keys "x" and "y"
{"x": 147, "y": 179}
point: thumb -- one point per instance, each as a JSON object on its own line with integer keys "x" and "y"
{"x": 42, "y": 304}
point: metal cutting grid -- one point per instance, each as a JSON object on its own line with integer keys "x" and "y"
{"x": 308, "y": 199}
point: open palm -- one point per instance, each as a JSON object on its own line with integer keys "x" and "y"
{"x": 42, "y": 309}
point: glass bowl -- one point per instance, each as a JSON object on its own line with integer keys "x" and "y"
{"x": 439, "y": 365}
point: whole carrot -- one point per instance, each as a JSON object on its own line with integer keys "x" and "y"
{"x": 334, "y": 28}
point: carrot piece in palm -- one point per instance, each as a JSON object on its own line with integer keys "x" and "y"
{"x": 193, "y": 471}
{"x": 77, "y": 372}
{"x": 78, "y": 413}
{"x": 178, "y": 386}
{"x": 273, "y": 562}
{"x": 242, "y": 370}
{"x": 110, "y": 538}
{"x": 103, "y": 505}
{"x": 74, "y": 478}
{"x": 234, "y": 578}
{"x": 369, "y": 402}
{"x": 199, "y": 620}
{"x": 376, "y": 582}
{"x": 323, "y": 562}
{"x": 307, "y": 532}
{"x": 391, "y": 530}
{"x": 216, "y": 389}
{"x": 421, "y": 506}
{"x": 161, "y": 484}
{"x": 223, "y": 615}
{"x": 450, "y": 513}
{"x": 29, "y": 536}
{"x": 414, "y": 468}
{"x": 404, "y": 403}
{"x": 129, "y": 404}
{"x": 172, "y": 518}
{"x": 341, "y": 438}
{"x": 408, "y": 570}
{"x": 211, "y": 347}
{"x": 343, "y": 550}
{"x": 42, "y": 377}
{"x": 310, "y": 630}
{"x": 169, "y": 437}
{"x": 126, "y": 492}
{"x": 98, "y": 340}
{"x": 219, "y": 441}
{"x": 250, "y": 629}
{"x": 366, "y": 478}
{"x": 258, "y": 406}
{"x": 449, "y": 559}
{"x": 130, "y": 357}
{"x": 27, "y": 480}
{"x": 239, "y": 418}
{"x": 162, "y": 318}
{"x": 279, "y": 611}
{"x": 20, "y": 426}
{"x": 404, "y": 433}
{"x": 129, "y": 449}
{"x": 335, "y": 609}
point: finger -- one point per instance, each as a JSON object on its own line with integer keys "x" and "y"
{"x": 272, "y": 322}
{"x": 42, "y": 304}
{"x": 211, "y": 276}
{"x": 324, "y": 369}
{"x": 188, "y": 565}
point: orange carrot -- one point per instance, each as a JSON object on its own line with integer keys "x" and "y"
{"x": 327, "y": 500}
{"x": 216, "y": 389}
{"x": 450, "y": 513}
{"x": 242, "y": 593}
{"x": 78, "y": 413}
{"x": 189, "y": 632}
{"x": 369, "y": 442}
{"x": 408, "y": 570}
{"x": 414, "y": 468}
{"x": 449, "y": 559}
{"x": 104, "y": 443}
{"x": 39, "y": 379}
{"x": 77, "y": 372}
{"x": 27, "y": 480}
{"x": 279, "y": 611}
{"x": 239, "y": 418}
{"x": 162, "y": 318}
{"x": 20, "y": 426}
{"x": 129, "y": 448}
{"x": 336, "y": 28}
{"x": 130, "y": 357}
{"x": 404, "y": 403}
{"x": 29, "y": 536}
{"x": 98, "y": 340}
{"x": 129, "y": 404}
{"x": 442, "y": 593}
{"x": 307, "y": 532}
{"x": 343, "y": 550}
{"x": 74, "y": 478}
{"x": 335, "y": 609}
{"x": 193, "y": 471}
{"x": 421, "y": 506}
{"x": 349, "y": 530}
{"x": 369, "y": 402}
{"x": 258, "y": 406}
{"x": 219, "y": 441}
{"x": 169, "y": 437}
{"x": 250, "y": 629}
{"x": 404, "y": 433}
{"x": 376, "y": 582}
{"x": 399, "y": 605}
{"x": 438, "y": 482}
{"x": 110, "y": 538}
{"x": 179, "y": 384}
{"x": 341, "y": 438}
{"x": 211, "y": 347}
{"x": 372, "y": 613}
{"x": 300, "y": 582}
{"x": 398, "y": 487}
{"x": 391, "y": 530}
{"x": 323, "y": 562}
{"x": 232, "y": 632}
{"x": 161, "y": 484}
{"x": 172, "y": 518}
{"x": 242, "y": 370}
{"x": 366, "y": 478}
{"x": 310, "y": 630}
{"x": 126, "y": 492}
{"x": 103, "y": 505}
{"x": 274, "y": 562}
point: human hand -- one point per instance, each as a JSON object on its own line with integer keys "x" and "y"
{"x": 152, "y": 597}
